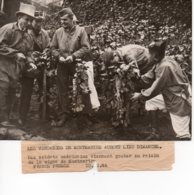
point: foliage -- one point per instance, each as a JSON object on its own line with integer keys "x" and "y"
{"x": 121, "y": 84}
{"x": 79, "y": 81}
{"x": 79, "y": 87}
{"x": 120, "y": 22}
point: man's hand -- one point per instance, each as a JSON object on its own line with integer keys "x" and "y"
{"x": 20, "y": 57}
{"x": 69, "y": 59}
{"x": 47, "y": 50}
{"x": 36, "y": 53}
{"x": 62, "y": 59}
{"x": 137, "y": 72}
{"x": 33, "y": 66}
{"x": 136, "y": 97}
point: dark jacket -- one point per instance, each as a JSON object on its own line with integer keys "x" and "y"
{"x": 42, "y": 40}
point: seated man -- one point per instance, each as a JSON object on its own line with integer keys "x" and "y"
{"x": 172, "y": 83}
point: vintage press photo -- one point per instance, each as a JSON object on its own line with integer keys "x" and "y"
{"x": 108, "y": 73}
{"x": 95, "y": 70}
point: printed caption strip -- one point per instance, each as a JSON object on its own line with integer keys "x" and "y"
{"x": 70, "y": 156}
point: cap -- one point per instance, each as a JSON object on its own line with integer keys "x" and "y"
{"x": 66, "y": 11}
{"x": 158, "y": 45}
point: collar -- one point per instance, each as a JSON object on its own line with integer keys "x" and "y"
{"x": 70, "y": 30}
{"x": 40, "y": 33}
{"x": 17, "y": 27}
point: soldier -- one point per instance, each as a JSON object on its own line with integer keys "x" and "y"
{"x": 41, "y": 42}
{"x": 70, "y": 42}
{"x": 173, "y": 84}
{"x": 129, "y": 54}
{"x": 15, "y": 50}
{"x": 138, "y": 57}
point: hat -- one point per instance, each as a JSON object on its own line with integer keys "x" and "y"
{"x": 26, "y": 9}
{"x": 66, "y": 11}
{"x": 158, "y": 46}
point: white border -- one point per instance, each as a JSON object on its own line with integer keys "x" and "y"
{"x": 179, "y": 181}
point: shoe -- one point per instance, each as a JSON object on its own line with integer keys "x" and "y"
{"x": 7, "y": 124}
{"x": 183, "y": 139}
{"x": 84, "y": 121}
{"x": 153, "y": 135}
{"x": 61, "y": 122}
{"x": 186, "y": 138}
{"x": 92, "y": 118}
{"x": 96, "y": 109}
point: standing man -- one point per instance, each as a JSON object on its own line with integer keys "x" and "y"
{"x": 173, "y": 84}
{"x": 70, "y": 42}
{"x": 41, "y": 41}
{"x": 15, "y": 51}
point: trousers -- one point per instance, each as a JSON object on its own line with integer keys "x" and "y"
{"x": 27, "y": 84}
{"x": 7, "y": 97}
{"x": 180, "y": 125}
{"x": 25, "y": 97}
{"x": 64, "y": 72}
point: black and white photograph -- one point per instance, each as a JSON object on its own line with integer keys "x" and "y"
{"x": 96, "y": 70}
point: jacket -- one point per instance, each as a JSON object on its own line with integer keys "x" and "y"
{"x": 135, "y": 53}
{"x": 75, "y": 43}
{"x": 13, "y": 41}
{"x": 42, "y": 40}
{"x": 173, "y": 84}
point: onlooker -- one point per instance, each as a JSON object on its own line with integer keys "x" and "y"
{"x": 15, "y": 51}
{"x": 41, "y": 41}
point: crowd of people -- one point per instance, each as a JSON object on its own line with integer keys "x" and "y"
{"x": 159, "y": 80}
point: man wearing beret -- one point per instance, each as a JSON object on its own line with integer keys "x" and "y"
{"x": 70, "y": 42}
{"x": 172, "y": 83}
{"x": 41, "y": 41}
{"x": 15, "y": 54}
